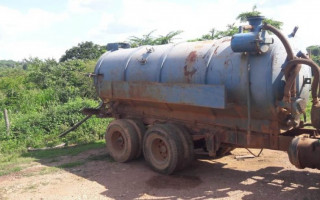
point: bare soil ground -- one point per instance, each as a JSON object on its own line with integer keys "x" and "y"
{"x": 93, "y": 175}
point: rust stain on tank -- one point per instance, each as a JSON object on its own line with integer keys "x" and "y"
{"x": 216, "y": 50}
{"x": 226, "y": 40}
{"x": 192, "y": 57}
{"x": 189, "y": 71}
{"x": 227, "y": 62}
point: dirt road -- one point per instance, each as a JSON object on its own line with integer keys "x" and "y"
{"x": 269, "y": 176}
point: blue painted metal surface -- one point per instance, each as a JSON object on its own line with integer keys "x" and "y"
{"x": 255, "y": 41}
{"x": 117, "y": 46}
{"x": 211, "y": 63}
{"x": 211, "y": 96}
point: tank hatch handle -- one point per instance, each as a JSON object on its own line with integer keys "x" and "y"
{"x": 144, "y": 57}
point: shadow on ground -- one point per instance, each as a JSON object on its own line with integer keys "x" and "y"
{"x": 204, "y": 179}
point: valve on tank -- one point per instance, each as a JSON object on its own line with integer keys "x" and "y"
{"x": 255, "y": 41}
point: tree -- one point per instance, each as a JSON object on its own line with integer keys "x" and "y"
{"x": 216, "y": 34}
{"x": 166, "y": 39}
{"x": 85, "y": 51}
{"x": 41, "y": 72}
{"x": 274, "y": 23}
{"x": 9, "y": 64}
{"x": 212, "y": 31}
{"x": 243, "y": 17}
{"x": 314, "y": 52}
{"x": 210, "y": 36}
{"x": 232, "y": 29}
{"x": 144, "y": 40}
{"x": 148, "y": 39}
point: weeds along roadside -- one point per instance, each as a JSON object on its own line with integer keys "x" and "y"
{"x": 43, "y": 99}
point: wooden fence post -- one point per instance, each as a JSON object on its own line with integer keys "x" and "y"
{"x": 6, "y": 117}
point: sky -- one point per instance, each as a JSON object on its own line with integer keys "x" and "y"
{"x": 46, "y": 28}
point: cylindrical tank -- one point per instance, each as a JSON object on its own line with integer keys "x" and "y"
{"x": 209, "y": 63}
{"x": 221, "y": 94}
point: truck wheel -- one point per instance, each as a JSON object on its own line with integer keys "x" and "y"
{"x": 140, "y": 129}
{"x": 162, "y": 148}
{"x": 187, "y": 143}
{"x": 122, "y": 140}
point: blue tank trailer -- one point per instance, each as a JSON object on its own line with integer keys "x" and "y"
{"x": 250, "y": 90}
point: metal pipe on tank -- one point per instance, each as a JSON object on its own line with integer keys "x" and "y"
{"x": 295, "y": 65}
{"x": 315, "y": 110}
{"x": 315, "y": 83}
{"x": 314, "y": 70}
{"x": 290, "y": 88}
{"x": 282, "y": 38}
{"x": 292, "y": 81}
{"x": 292, "y": 69}
{"x": 248, "y": 105}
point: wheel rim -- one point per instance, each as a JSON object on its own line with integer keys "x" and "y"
{"x": 159, "y": 150}
{"x": 117, "y": 141}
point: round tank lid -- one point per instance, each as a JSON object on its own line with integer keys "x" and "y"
{"x": 255, "y": 20}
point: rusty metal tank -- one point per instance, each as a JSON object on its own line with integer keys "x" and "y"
{"x": 249, "y": 90}
{"x": 205, "y": 74}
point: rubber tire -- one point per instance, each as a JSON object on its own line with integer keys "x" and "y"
{"x": 187, "y": 143}
{"x": 130, "y": 139}
{"x": 141, "y": 130}
{"x": 173, "y": 146}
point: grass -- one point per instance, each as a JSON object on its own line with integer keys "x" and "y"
{"x": 14, "y": 158}
{"x": 69, "y": 151}
{"x": 48, "y": 170}
{"x": 9, "y": 170}
{"x": 15, "y": 162}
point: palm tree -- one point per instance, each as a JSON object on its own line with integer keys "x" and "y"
{"x": 212, "y": 31}
{"x": 144, "y": 40}
{"x": 166, "y": 39}
{"x": 243, "y": 17}
{"x": 149, "y": 40}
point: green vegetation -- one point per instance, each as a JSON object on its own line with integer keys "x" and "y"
{"x": 231, "y": 29}
{"x": 43, "y": 99}
{"x": 148, "y": 39}
{"x": 70, "y": 151}
{"x": 9, "y": 64}
{"x": 314, "y": 51}
{"x": 84, "y": 51}
{"x": 243, "y": 17}
{"x": 4, "y": 170}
